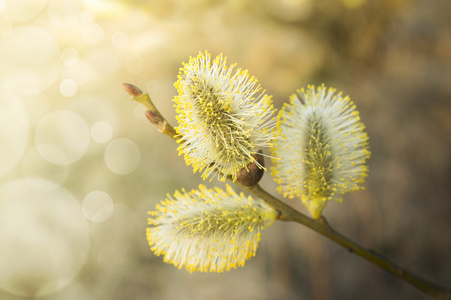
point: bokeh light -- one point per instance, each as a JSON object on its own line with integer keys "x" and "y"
{"x": 115, "y": 252}
{"x": 63, "y": 13}
{"x": 69, "y": 56}
{"x": 98, "y": 206}
{"x": 13, "y": 129}
{"x": 44, "y": 239}
{"x": 22, "y": 10}
{"x": 33, "y": 61}
{"x": 108, "y": 7}
{"x": 119, "y": 39}
{"x": 36, "y": 107}
{"x": 122, "y": 156}
{"x": 35, "y": 166}
{"x": 86, "y": 16}
{"x": 62, "y": 137}
{"x": 101, "y": 132}
{"x": 68, "y": 87}
{"x": 93, "y": 33}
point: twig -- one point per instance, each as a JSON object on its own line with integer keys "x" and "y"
{"x": 289, "y": 214}
{"x": 154, "y": 116}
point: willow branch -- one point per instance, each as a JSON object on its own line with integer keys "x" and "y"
{"x": 152, "y": 113}
{"x": 289, "y": 214}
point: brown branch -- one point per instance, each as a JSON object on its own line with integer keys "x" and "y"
{"x": 289, "y": 214}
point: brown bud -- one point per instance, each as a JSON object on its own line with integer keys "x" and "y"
{"x": 252, "y": 173}
{"x": 132, "y": 90}
{"x": 153, "y": 117}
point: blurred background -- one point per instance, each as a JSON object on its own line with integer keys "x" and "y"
{"x": 80, "y": 165}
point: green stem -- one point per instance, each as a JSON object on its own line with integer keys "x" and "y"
{"x": 152, "y": 113}
{"x": 289, "y": 214}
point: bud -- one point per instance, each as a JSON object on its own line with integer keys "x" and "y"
{"x": 132, "y": 90}
{"x": 253, "y": 172}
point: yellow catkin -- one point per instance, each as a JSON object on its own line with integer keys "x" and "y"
{"x": 324, "y": 148}
{"x": 223, "y": 117}
{"x": 208, "y": 230}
